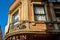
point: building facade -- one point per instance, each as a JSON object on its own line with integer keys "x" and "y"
{"x": 0, "y": 33}
{"x": 33, "y": 20}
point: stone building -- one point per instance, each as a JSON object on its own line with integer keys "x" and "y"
{"x": 33, "y": 20}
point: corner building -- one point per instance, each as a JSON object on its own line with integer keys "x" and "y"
{"x": 33, "y": 20}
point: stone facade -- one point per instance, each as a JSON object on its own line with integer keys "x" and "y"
{"x": 25, "y": 21}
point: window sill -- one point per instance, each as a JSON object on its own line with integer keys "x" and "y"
{"x": 40, "y": 22}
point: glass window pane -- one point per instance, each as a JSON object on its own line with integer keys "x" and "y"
{"x": 39, "y": 13}
{"x": 39, "y": 10}
{"x": 58, "y": 25}
{"x": 52, "y": 0}
{"x": 40, "y": 18}
{"x": 58, "y": 19}
{"x": 15, "y": 17}
{"x": 58, "y": 0}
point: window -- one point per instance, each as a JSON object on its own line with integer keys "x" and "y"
{"x": 57, "y": 14}
{"x": 58, "y": 19}
{"x": 15, "y": 17}
{"x": 39, "y": 13}
{"x": 59, "y": 25}
{"x": 58, "y": 0}
{"x": 54, "y": 0}
{"x": 13, "y": 38}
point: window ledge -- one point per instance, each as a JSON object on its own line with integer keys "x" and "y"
{"x": 40, "y": 22}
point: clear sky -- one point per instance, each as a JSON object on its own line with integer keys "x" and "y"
{"x": 4, "y": 8}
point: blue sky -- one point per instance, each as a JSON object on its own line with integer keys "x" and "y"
{"x": 4, "y": 8}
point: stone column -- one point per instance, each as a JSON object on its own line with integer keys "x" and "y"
{"x": 25, "y": 12}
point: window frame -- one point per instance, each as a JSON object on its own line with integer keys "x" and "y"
{"x": 35, "y": 14}
{"x": 39, "y": 3}
{"x": 13, "y": 16}
{"x": 12, "y": 23}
